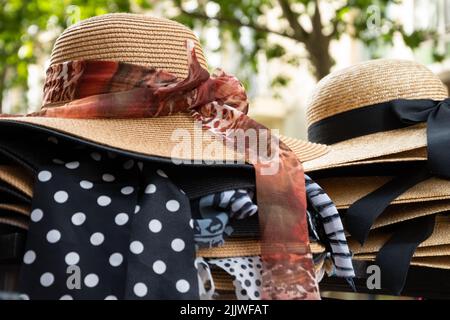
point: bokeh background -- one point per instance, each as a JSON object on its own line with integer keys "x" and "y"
{"x": 278, "y": 48}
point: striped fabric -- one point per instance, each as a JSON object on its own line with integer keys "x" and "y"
{"x": 216, "y": 210}
{"x": 333, "y": 227}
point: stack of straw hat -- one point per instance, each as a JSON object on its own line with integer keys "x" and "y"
{"x": 148, "y": 42}
{"x": 354, "y": 112}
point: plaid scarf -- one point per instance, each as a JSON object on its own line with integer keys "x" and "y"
{"x": 106, "y": 89}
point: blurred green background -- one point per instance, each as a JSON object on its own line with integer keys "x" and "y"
{"x": 278, "y": 48}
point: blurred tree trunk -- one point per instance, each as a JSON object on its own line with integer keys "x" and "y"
{"x": 316, "y": 42}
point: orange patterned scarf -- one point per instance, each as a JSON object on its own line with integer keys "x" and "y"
{"x": 105, "y": 89}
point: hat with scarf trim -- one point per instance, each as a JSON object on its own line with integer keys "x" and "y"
{"x": 140, "y": 85}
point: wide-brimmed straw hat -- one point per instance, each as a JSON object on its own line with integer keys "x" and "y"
{"x": 149, "y": 42}
{"x": 349, "y": 111}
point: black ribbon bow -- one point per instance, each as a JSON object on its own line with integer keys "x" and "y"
{"x": 437, "y": 116}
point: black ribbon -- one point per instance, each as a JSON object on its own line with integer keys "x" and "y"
{"x": 395, "y": 256}
{"x": 362, "y": 214}
{"x": 391, "y": 115}
{"x": 437, "y": 116}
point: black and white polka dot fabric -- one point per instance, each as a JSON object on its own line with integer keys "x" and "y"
{"x": 106, "y": 227}
{"x": 247, "y": 274}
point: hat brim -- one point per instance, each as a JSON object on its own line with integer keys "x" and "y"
{"x": 406, "y": 144}
{"x": 432, "y": 262}
{"x": 17, "y": 178}
{"x": 378, "y": 238}
{"x": 344, "y": 191}
{"x": 436, "y": 262}
{"x": 17, "y": 208}
{"x": 238, "y": 247}
{"x": 171, "y": 137}
{"x": 402, "y": 212}
{"x": 14, "y": 222}
{"x": 433, "y": 251}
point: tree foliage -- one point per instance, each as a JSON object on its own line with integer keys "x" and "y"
{"x": 22, "y": 22}
{"x": 304, "y": 22}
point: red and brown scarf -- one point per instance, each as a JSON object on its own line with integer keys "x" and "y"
{"x": 105, "y": 89}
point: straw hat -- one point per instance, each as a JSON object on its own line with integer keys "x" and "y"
{"x": 15, "y": 222}
{"x": 17, "y": 178}
{"x": 433, "y": 251}
{"x": 438, "y": 239}
{"x": 347, "y": 190}
{"x": 432, "y": 262}
{"x": 436, "y": 262}
{"x": 17, "y": 208}
{"x": 366, "y": 84}
{"x": 148, "y": 42}
{"x": 239, "y": 247}
{"x": 426, "y": 198}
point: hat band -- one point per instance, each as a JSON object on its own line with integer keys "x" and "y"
{"x": 363, "y": 121}
{"x": 391, "y": 115}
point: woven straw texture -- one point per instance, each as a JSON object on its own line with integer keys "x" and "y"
{"x": 377, "y": 238}
{"x": 347, "y": 190}
{"x": 373, "y": 148}
{"x": 372, "y": 82}
{"x": 18, "y": 208}
{"x": 433, "y": 262}
{"x": 434, "y": 251}
{"x": 149, "y": 42}
{"x": 402, "y": 212}
{"x": 330, "y": 161}
{"x": 17, "y": 178}
{"x": 14, "y": 222}
{"x": 137, "y": 39}
{"x": 437, "y": 262}
{"x": 369, "y": 83}
{"x": 235, "y": 247}
{"x": 152, "y": 137}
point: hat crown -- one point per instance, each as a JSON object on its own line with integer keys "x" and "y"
{"x": 370, "y": 83}
{"x": 132, "y": 38}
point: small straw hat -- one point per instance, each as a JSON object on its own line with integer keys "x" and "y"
{"x": 348, "y": 92}
{"x": 149, "y": 42}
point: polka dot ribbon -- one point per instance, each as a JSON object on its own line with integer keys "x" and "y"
{"x": 107, "y": 89}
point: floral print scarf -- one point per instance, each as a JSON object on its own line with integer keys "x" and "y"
{"x": 107, "y": 89}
